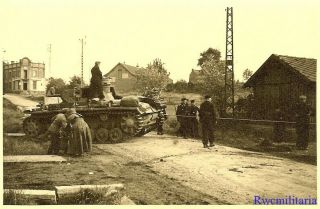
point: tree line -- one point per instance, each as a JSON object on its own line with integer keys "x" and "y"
{"x": 211, "y": 79}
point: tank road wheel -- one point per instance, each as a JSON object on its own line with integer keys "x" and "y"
{"x": 131, "y": 124}
{"x": 115, "y": 135}
{"x": 128, "y": 124}
{"x": 31, "y": 127}
{"x": 102, "y": 135}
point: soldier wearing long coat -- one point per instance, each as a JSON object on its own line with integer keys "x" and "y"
{"x": 59, "y": 122}
{"x": 182, "y": 112}
{"x": 81, "y": 140}
{"x": 208, "y": 118}
{"x": 192, "y": 120}
{"x": 302, "y": 113}
{"x": 96, "y": 82}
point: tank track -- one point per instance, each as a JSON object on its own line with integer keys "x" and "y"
{"x": 107, "y": 125}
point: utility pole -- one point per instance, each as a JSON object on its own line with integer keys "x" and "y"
{"x": 229, "y": 65}
{"x": 49, "y": 50}
{"x": 82, "y": 43}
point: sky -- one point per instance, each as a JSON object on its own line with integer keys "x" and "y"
{"x": 138, "y": 31}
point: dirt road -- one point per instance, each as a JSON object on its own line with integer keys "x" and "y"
{"x": 227, "y": 174}
{"x": 164, "y": 170}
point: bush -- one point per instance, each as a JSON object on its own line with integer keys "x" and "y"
{"x": 12, "y": 118}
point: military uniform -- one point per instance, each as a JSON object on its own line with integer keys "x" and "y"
{"x": 278, "y": 127}
{"x": 59, "y": 122}
{"x": 193, "y": 121}
{"x": 81, "y": 140}
{"x": 208, "y": 118}
{"x": 160, "y": 120}
{"x": 182, "y": 111}
{"x": 96, "y": 82}
{"x": 302, "y": 111}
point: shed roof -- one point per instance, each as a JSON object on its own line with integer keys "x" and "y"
{"x": 306, "y": 67}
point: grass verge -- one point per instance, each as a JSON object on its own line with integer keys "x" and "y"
{"x": 90, "y": 197}
{"x": 13, "y": 197}
{"x": 24, "y": 146}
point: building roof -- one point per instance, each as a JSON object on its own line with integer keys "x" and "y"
{"x": 305, "y": 67}
{"x": 131, "y": 69}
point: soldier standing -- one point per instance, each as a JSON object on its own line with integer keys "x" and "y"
{"x": 96, "y": 82}
{"x": 181, "y": 113}
{"x": 302, "y": 113}
{"x": 208, "y": 119}
{"x": 278, "y": 127}
{"x": 193, "y": 121}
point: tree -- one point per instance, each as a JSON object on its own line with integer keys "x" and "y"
{"x": 247, "y": 74}
{"x": 181, "y": 86}
{"x": 212, "y": 82}
{"x": 75, "y": 81}
{"x": 58, "y": 83}
{"x": 209, "y": 55}
{"x": 153, "y": 76}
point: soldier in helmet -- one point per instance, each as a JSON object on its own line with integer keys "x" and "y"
{"x": 54, "y": 133}
{"x": 182, "y": 111}
{"x": 96, "y": 82}
{"x": 208, "y": 118}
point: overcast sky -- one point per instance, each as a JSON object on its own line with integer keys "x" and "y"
{"x": 137, "y": 31}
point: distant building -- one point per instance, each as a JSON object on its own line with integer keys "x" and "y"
{"x": 123, "y": 76}
{"x": 23, "y": 76}
{"x": 280, "y": 81}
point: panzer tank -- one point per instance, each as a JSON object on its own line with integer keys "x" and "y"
{"x": 111, "y": 120}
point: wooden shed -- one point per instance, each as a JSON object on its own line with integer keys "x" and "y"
{"x": 279, "y": 82}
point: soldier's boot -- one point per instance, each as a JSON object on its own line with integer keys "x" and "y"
{"x": 211, "y": 145}
{"x": 205, "y": 146}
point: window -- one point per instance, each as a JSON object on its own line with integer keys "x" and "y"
{"x": 25, "y": 74}
{"x": 34, "y": 85}
{"x": 120, "y": 73}
{"x": 113, "y": 79}
{"x": 34, "y": 73}
{"x": 125, "y": 75}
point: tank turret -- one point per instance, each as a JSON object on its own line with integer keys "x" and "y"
{"x": 106, "y": 85}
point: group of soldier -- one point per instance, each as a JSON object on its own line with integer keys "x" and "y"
{"x": 69, "y": 133}
{"x": 187, "y": 118}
